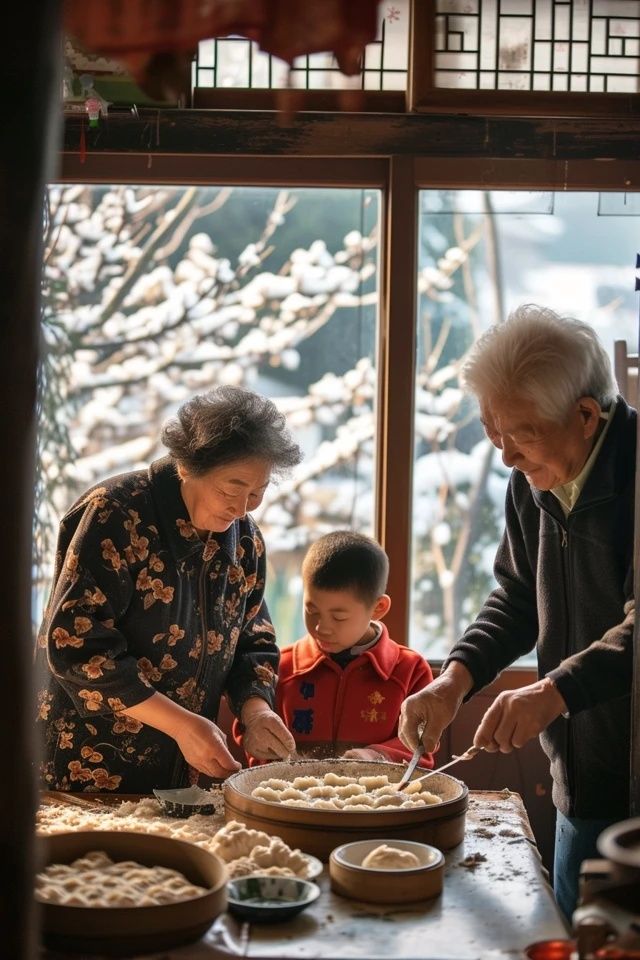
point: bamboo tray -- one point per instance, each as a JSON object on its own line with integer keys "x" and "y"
{"x": 318, "y": 832}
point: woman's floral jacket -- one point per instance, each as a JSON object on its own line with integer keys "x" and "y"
{"x": 140, "y": 604}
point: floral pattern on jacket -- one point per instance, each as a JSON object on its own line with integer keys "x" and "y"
{"x": 141, "y": 604}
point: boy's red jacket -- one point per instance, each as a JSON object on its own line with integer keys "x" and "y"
{"x": 330, "y": 709}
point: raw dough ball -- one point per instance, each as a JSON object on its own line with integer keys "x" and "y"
{"x": 385, "y": 857}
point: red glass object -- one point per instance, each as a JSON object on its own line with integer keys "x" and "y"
{"x": 551, "y": 950}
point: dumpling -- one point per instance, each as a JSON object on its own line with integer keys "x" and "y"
{"x": 388, "y": 790}
{"x": 414, "y": 786}
{"x": 350, "y": 790}
{"x": 267, "y": 793}
{"x": 291, "y": 794}
{"x": 336, "y": 780}
{"x": 325, "y": 791}
{"x": 373, "y": 782}
{"x": 235, "y": 840}
{"x": 277, "y": 854}
{"x": 395, "y": 800}
{"x": 361, "y": 800}
{"x": 385, "y": 857}
{"x": 303, "y": 783}
{"x": 320, "y": 804}
{"x": 427, "y": 797}
{"x": 275, "y": 784}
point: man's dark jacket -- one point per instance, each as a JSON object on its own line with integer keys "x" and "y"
{"x": 563, "y": 582}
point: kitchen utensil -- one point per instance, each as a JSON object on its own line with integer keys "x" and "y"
{"x": 467, "y": 755}
{"x": 185, "y": 801}
{"x": 418, "y": 753}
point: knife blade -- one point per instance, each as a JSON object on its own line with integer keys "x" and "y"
{"x": 467, "y": 755}
{"x": 418, "y": 753}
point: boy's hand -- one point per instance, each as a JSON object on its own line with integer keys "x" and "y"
{"x": 363, "y": 753}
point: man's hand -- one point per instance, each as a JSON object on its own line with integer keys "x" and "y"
{"x": 204, "y": 746}
{"x": 516, "y": 716}
{"x": 363, "y": 753}
{"x": 265, "y": 735}
{"x": 435, "y": 706}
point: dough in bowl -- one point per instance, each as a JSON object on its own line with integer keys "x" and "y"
{"x": 385, "y": 857}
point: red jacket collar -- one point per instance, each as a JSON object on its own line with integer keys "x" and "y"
{"x": 383, "y": 655}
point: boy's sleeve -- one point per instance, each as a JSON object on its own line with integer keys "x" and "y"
{"x": 393, "y": 749}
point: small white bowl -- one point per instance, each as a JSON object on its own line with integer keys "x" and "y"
{"x": 377, "y": 885}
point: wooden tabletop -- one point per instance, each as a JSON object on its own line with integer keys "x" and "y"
{"x": 495, "y": 901}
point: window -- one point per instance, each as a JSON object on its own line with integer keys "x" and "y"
{"x": 480, "y": 255}
{"x": 152, "y": 294}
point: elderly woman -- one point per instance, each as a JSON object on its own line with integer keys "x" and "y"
{"x": 158, "y": 609}
{"x": 549, "y": 402}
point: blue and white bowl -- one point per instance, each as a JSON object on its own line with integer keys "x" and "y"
{"x": 267, "y": 899}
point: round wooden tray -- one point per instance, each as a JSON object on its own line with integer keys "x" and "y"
{"x": 125, "y": 930}
{"x": 318, "y": 831}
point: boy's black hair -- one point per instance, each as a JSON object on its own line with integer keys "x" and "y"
{"x": 345, "y": 560}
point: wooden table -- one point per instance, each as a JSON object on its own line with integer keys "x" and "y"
{"x": 496, "y": 900}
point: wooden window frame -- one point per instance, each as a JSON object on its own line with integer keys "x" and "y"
{"x": 400, "y": 156}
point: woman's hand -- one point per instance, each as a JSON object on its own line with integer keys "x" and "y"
{"x": 204, "y": 746}
{"x": 435, "y": 706}
{"x": 201, "y": 742}
{"x": 265, "y": 736}
{"x": 516, "y": 716}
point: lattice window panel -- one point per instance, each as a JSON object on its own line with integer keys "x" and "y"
{"x": 562, "y": 51}
{"x": 560, "y": 45}
{"x": 237, "y": 63}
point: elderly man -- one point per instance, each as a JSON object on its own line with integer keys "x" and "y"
{"x": 549, "y": 402}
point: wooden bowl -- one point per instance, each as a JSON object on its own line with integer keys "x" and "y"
{"x": 374, "y": 885}
{"x": 318, "y": 832}
{"x": 125, "y": 930}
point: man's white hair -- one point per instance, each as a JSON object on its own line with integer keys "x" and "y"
{"x": 540, "y": 356}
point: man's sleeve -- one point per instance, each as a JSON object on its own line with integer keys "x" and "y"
{"x": 603, "y": 671}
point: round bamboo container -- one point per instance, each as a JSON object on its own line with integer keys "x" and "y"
{"x": 318, "y": 832}
{"x": 118, "y": 931}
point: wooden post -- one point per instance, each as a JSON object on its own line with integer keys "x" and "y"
{"x": 29, "y": 77}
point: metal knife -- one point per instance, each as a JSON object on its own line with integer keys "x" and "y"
{"x": 418, "y": 753}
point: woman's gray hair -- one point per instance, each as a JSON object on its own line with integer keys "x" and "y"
{"x": 226, "y": 425}
{"x": 540, "y": 356}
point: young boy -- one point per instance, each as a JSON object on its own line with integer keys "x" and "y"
{"x": 341, "y": 686}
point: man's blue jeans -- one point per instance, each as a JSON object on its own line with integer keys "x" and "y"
{"x": 575, "y": 842}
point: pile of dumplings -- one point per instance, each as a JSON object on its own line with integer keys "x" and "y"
{"x": 247, "y": 851}
{"x": 334, "y": 791}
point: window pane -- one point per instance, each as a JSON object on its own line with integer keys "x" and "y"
{"x": 153, "y": 294}
{"x": 480, "y": 255}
